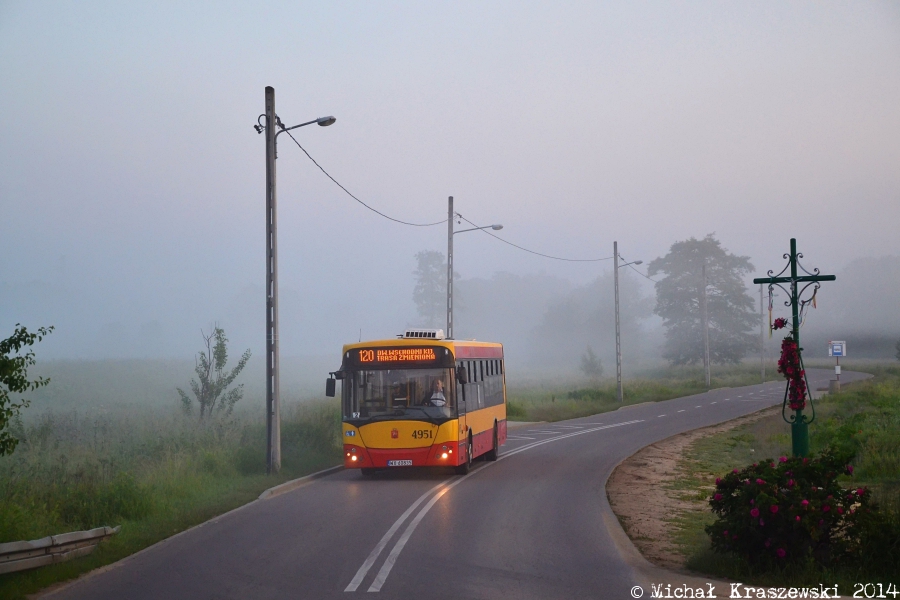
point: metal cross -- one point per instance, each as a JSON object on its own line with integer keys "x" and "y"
{"x": 798, "y": 421}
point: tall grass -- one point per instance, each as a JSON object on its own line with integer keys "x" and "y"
{"x": 153, "y": 471}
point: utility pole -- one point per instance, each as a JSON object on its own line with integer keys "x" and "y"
{"x": 273, "y": 404}
{"x": 705, "y": 309}
{"x": 450, "y": 268}
{"x": 762, "y": 338}
{"x": 619, "y": 395}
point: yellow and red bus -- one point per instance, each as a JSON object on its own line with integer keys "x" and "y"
{"x": 421, "y": 401}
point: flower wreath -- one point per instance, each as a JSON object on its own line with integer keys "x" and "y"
{"x": 790, "y": 366}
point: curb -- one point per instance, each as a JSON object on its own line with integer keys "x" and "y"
{"x": 627, "y": 406}
{"x": 296, "y": 483}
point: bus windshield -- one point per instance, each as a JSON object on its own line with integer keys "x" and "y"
{"x": 420, "y": 394}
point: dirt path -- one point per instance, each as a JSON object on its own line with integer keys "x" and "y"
{"x": 639, "y": 494}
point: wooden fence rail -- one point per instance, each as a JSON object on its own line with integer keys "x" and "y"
{"x": 18, "y": 556}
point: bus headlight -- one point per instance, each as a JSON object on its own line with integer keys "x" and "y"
{"x": 444, "y": 455}
{"x": 353, "y": 458}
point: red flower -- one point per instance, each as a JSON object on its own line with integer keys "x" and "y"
{"x": 779, "y": 323}
{"x": 773, "y": 509}
{"x": 825, "y": 508}
{"x": 780, "y": 553}
{"x": 754, "y": 512}
{"x": 717, "y": 497}
{"x": 789, "y": 366}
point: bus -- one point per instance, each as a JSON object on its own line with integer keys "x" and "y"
{"x": 421, "y": 401}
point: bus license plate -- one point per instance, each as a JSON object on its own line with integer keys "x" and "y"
{"x": 399, "y": 463}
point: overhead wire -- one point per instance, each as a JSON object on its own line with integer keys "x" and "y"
{"x": 374, "y": 210}
{"x": 378, "y": 212}
{"x": 641, "y": 274}
{"x": 532, "y": 251}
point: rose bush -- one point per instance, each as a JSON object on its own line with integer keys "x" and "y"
{"x": 790, "y": 510}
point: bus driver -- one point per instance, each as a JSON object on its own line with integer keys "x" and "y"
{"x": 437, "y": 394}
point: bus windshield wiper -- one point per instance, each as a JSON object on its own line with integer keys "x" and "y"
{"x": 428, "y": 416}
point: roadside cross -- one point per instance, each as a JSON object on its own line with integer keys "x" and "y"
{"x": 799, "y": 421}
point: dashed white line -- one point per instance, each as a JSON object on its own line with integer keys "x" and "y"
{"x": 519, "y": 437}
{"x": 713, "y": 402}
{"x": 682, "y": 410}
{"x": 658, "y": 416}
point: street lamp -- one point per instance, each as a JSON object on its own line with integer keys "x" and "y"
{"x": 273, "y": 403}
{"x": 616, "y": 267}
{"x": 450, "y": 234}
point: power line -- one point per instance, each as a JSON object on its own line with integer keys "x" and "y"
{"x": 641, "y": 274}
{"x": 532, "y": 251}
{"x": 374, "y": 210}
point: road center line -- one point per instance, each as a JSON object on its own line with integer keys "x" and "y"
{"x": 373, "y": 555}
{"x": 407, "y": 533}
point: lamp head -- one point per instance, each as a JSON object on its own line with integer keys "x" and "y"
{"x": 638, "y": 262}
{"x": 325, "y": 121}
{"x": 497, "y": 227}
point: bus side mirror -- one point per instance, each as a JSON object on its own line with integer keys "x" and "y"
{"x": 329, "y": 387}
{"x": 462, "y": 375}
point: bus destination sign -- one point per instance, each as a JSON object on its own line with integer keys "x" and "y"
{"x": 399, "y": 357}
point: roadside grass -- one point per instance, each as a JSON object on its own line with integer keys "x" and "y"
{"x": 558, "y": 403}
{"x": 864, "y": 418}
{"x": 155, "y": 472}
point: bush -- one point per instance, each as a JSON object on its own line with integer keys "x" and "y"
{"x": 793, "y": 510}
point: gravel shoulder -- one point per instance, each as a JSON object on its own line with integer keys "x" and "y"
{"x": 643, "y": 496}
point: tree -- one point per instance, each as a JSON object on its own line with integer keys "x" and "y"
{"x": 591, "y": 365}
{"x": 430, "y": 293}
{"x": 214, "y": 379}
{"x": 679, "y": 301}
{"x": 898, "y": 349}
{"x": 586, "y": 316}
{"x": 14, "y": 379}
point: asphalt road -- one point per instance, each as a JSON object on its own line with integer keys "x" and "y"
{"x": 534, "y": 524}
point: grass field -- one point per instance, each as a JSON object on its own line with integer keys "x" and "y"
{"x": 864, "y": 418}
{"x": 558, "y": 401}
{"x": 154, "y": 471}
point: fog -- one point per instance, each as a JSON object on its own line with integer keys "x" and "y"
{"x": 132, "y": 182}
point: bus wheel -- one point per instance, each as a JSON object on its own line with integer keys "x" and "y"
{"x": 494, "y": 452}
{"x": 464, "y": 468}
{"x": 368, "y": 471}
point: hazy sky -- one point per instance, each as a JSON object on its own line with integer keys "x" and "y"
{"x": 132, "y": 182}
